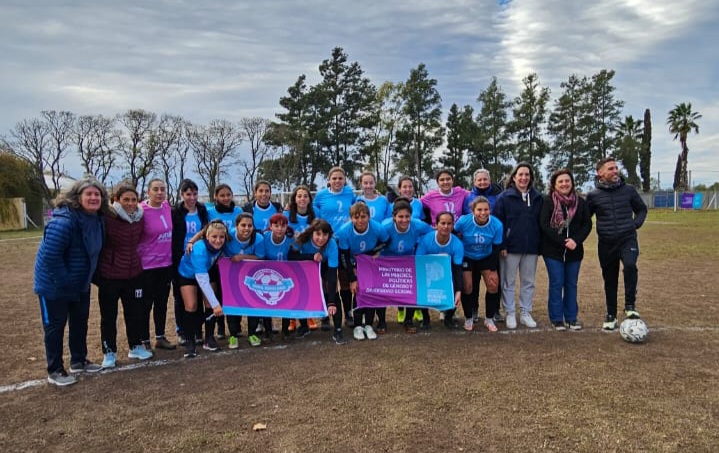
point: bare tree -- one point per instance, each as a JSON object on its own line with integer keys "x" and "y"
{"x": 30, "y": 141}
{"x": 173, "y": 147}
{"x": 213, "y": 146}
{"x": 254, "y": 129}
{"x": 59, "y": 130}
{"x": 137, "y": 151}
{"x": 97, "y": 142}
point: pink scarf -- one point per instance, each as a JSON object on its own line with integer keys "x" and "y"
{"x": 569, "y": 202}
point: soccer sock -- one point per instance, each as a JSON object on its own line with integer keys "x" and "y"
{"x": 209, "y": 325}
{"x": 491, "y": 304}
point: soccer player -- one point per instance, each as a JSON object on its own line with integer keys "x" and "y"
{"x": 446, "y": 198}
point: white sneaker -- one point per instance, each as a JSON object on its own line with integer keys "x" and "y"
{"x": 511, "y": 321}
{"x": 469, "y": 324}
{"x": 527, "y": 320}
{"x": 369, "y": 332}
{"x": 358, "y": 333}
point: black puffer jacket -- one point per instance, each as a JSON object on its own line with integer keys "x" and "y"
{"x": 620, "y": 211}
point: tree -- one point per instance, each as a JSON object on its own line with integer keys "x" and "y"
{"x": 379, "y": 144}
{"x": 569, "y": 129}
{"x": 17, "y": 179}
{"x": 606, "y": 114}
{"x": 645, "y": 157}
{"x": 136, "y": 149}
{"x": 421, "y": 132}
{"x": 682, "y": 120}
{"x": 494, "y": 149}
{"x": 629, "y": 147}
{"x": 215, "y": 148}
{"x": 254, "y": 129}
{"x": 171, "y": 145}
{"x": 97, "y": 142}
{"x": 461, "y": 139}
{"x": 529, "y": 117}
{"x": 30, "y": 141}
{"x": 59, "y": 133}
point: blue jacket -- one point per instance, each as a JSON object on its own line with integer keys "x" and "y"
{"x": 521, "y": 222}
{"x": 490, "y": 193}
{"x": 68, "y": 254}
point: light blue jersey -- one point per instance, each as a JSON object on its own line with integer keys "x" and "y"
{"x": 261, "y": 216}
{"x": 334, "y": 207}
{"x": 379, "y": 208}
{"x": 199, "y": 261}
{"x": 330, "y": 254}
{"x": 478, "y": 239}
{"x": 404, "y": 243}
{"x": 299, "y": 226}
{"x": 428, "y": 245}
{"x": 237, "y": 247}
{"x": 350, "y": 239}
{"x": 228, "y": 218}
{"x": 193, "y": 224}
{"x": 417, "y": 209}
{"x": 274, "y": 251}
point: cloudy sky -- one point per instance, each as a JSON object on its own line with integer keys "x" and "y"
{"x": 233, "y": 59}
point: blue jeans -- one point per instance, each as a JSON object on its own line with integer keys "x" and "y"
{"x": 563, "y": 278}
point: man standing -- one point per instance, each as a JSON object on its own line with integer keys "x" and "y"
{"x": 620, "y": 212}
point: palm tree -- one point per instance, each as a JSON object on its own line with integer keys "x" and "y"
{"x": 681, "y": 122}
{"x": 629, "y": 144}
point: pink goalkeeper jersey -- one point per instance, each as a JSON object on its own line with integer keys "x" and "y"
{"x": 155, "y": 247}
{"x": 437, "y": 202}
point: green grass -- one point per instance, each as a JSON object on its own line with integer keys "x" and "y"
{"x": 680, "y": 235}
{"x": 20, "y": 234}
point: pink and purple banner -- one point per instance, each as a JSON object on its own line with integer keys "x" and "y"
{"x": 278, "y": 289}
{"x": 405, "y": 281}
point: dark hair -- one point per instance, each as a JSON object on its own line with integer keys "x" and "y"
{"x": 603, "y": 161}
{"x": 71, "y": 198}
{"x": 510, "y": 181}
{"x": 293, "y": 205}
{"x": 121, "y": 188}
{"x": 400, "y": 204}
{"x": 222, "y": 186}
{"x": 436, "y": 219}
{"x": 316, "y": 225}
{"x": 247, "y": 215}
{"x": 442, "y": 171}
{"x": 261, "y": 182}
{"x": 358, "y": 208}
{"x": 557, "y": 174}
{"x": 188, "y": 184}
{"x": 406, "y": 178}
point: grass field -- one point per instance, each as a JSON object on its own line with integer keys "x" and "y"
{"x": 524, "y": 390}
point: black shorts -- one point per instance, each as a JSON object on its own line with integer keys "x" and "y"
{"x": 214, "y": 273}
{"x": 184, "y": 281}
{"x": 490, "y": 263}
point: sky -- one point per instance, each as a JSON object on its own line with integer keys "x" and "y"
{"x": 205, "y": 60}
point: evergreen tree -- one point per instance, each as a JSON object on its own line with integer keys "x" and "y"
{"x": 645, "y": 157}
{"x": 494, "y": 149}
{"x": 379, "y": 144}
{"x": 461, "y": 139}
{"x": 629, "y": 147}
{"x": 606, "y": 115}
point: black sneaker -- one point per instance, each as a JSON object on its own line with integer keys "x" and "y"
{"x": 302, "y": 332}
{"x": 199, "y": 340}
{"x": 87, "y": 367}
{"x": 610, "y": 323}
{"x": 325, "y": 326}
{"x": 211, "y": 345}
{"x": 559, "y": 325}
{"x": 190, "y": 351}
{"x": 349, "y": 320}
{"x": 61, "y": 378}
{"x": 450, "y": 324}
{"x": 339, "y": 338}
{"x": 498, "y": 317}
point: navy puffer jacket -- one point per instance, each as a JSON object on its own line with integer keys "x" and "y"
{"x": 68, "y": 254}
{"x": 620, "y": 211}
{"x": 521, "y": 222}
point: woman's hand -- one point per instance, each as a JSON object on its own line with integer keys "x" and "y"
{"x": 332, "y": 310}
{"x": 570, "y": 244}
{"x": 318, "y": 257}
{"x": 353, "y": 287}
{"x": 217, "y": 311}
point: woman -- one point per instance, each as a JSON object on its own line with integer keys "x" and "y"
{"x": 404, "y": 232}
{"x": 261, "y": 206}
{"x": 119, "y": 274}
{"x": 446, "y": 198}
{"x": 377, "y": 203}
{"x": 300, "y": 212}
{"x": 64, "y": 266}
{"x": 481, "y": 235}
{"x": 443, "y": 242}
{"x": 518, "y": 208}
{"x": 482, "y": 187}
{"x": 193, "y": 273}
{"x": 406, "y": 190}
{"x": 155, "y": 249}
{"x": 188, "y": 218}
{"x": 565, "y": 222}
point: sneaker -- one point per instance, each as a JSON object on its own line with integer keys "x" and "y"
{"x": 254, "y": 341}
{"x": 302, "y": 332}
{"x": 575, "y": 325}
{"x": 469, "y": 324}
{"x": 498, "y": 317}
{"x": 61, "y": 378}
{"x": 349, "y": 320}
{"x": 401, "y": 315}
{"x": 108, "y": 361}
{"x": 220, "y": 334}
{"x": 450, "y": 324}
{"x": 139, "y": 352}
{"x": 511, "y": 321}
{"x": 162, "y": 343}
{"x": 211, "y": 345}
{"x": 369, "y": 332}
{"x": 325, "y": 325}
{"x": 418, "y": 316}
{"x": 260, "y": 327}
{"x": 610, "y": 323}
{"x": 489, "y": 324}
{"x": 527, "y": 320}
{"x": 198, "y": 340}
{"x": 313, "y": 324}
{"x": 181, "y": 340}
{"x": 292, "y": 326}
{"x": 146, "y": 344}
{"x": 338, "y": 338}
{"x": 475, "y": 316}
{"x": 559, "y": 325}
{"x": 631, "y": 314}
{"x": 87, "y": 367}
{"x": 233, "y": 342}
{"x": 190, "y": 352}
{"x": 382, "y": 328}
{"x": 358, "y": 333}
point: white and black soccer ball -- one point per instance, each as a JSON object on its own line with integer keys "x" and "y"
{"x": 634, "y": 330}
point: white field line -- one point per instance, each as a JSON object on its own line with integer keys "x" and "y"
{"x": 315, "y": 342}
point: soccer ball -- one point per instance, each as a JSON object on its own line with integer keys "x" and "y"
{"x": 634, "y": 330}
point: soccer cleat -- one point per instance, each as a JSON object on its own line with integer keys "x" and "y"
{"x": 292, "y": 326}
{"x": 575, "y": 325}
{"x": 418, "y": 316}
{"x": 559, "y": 325}
{"x": 610, "y": 323}
{"x": 401, "y": 315}
{"x": 631, "y": 314}
{"x": 302, "y": 332}
{"x": 527, "y": 320}
{"x": 139, "y": 352}
{"x": 370, "y": 333}
{"x": 254, "y": 341}
{"x": 61, "y": 378}
{"x": 511, "y": 321}
{"x": 211, "y": 345}
{"x": 338, "y": 338}
{"x": 358, "y": 333}
{"x": 469, "y": 324}
{"x": 233, "y": 342}
{"x": 108, "y": 361}
{"x": 489, "y": 324}
{"x": 162, "y": 343}
{"x": 87, "y": 367}
{"x": 326, "y": 327}
{"x": 312, "y": 324}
